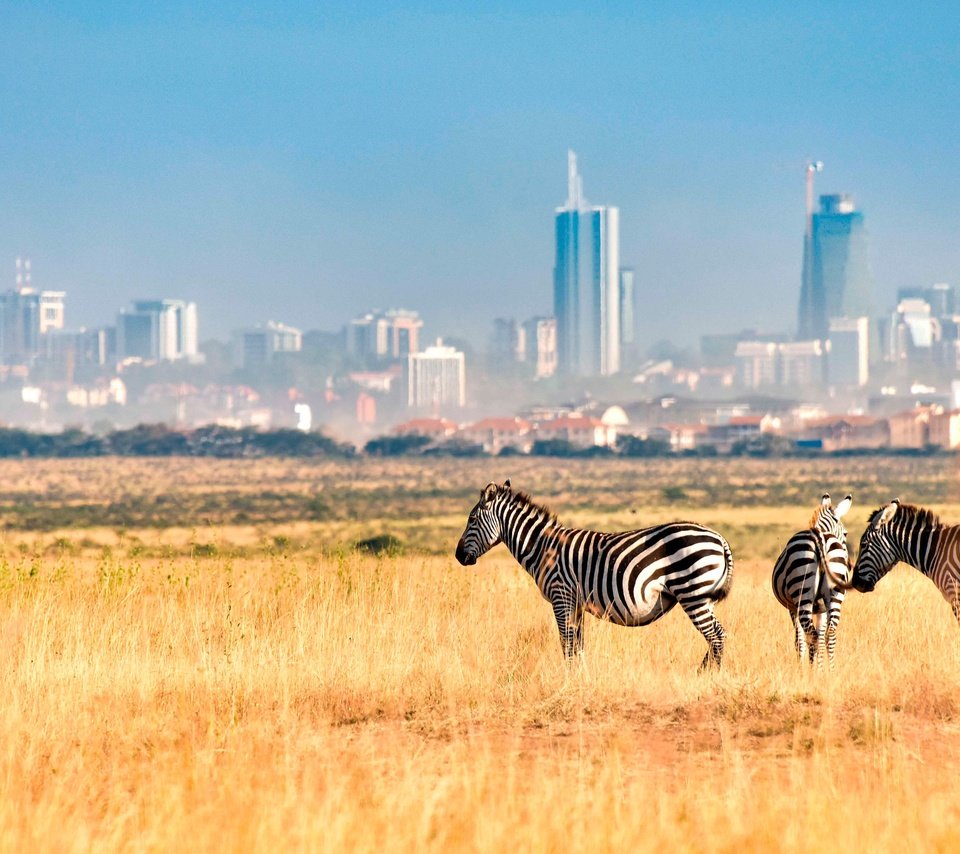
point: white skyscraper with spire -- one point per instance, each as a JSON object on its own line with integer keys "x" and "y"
{"x": 586, "y": 283}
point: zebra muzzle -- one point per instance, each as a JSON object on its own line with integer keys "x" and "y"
{"x": 465, "y": 558}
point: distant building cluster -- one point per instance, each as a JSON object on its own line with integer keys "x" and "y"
{"x": 850, "y": 374}
{"x": 698, "y": 429}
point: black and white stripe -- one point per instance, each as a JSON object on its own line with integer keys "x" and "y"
{"x": 810, "y": 579}
{"x": 904, "y": 532}
{"x": 630, "y": 578}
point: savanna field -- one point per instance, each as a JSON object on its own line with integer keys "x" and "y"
{"x": 197, "y": 656}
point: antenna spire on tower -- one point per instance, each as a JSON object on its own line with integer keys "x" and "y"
{"x": 812, "y": 167}
{"x": 574, "y": 183}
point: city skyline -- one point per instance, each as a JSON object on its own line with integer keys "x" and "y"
{"x": 259, "y": 160}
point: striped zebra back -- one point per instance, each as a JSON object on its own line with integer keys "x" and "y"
{"x": 610, "y": 572}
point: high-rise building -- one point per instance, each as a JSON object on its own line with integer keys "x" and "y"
{"x": 27, "y": 316}
{"x": 541, "y": 341}
{"x": 849, "y": 361}
{"x": 802, "y": 363}
{"x": 257, "y": 345}
{"x": 586, "y": 283}
{"x": 393, "y": 334}
{"x": 912, "y": 332}
{"x": 836, "y": 271}
{"x": 508, "y": 344}
{"x": 756, "y": 363}
{"x": 158, "y": 331}
{"x": 629, "y": 339}
{"x": 941, "y": 297}
{"x": 436, "y": 379}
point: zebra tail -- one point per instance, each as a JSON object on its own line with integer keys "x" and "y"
{"x": 834, "y": 580}
{"x": 724, "y": 590}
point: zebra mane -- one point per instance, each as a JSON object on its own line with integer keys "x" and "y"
{"x": 911, "y": 513}
{"x": 523, "y": 498}
{"x": 816, "y": 516}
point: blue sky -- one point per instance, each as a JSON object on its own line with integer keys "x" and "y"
{"x": 305, "y": 166}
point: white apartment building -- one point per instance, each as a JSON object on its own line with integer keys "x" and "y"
{"x": 436, "y": 378}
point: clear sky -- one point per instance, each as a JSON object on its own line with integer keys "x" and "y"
{"x": 304, "y": 166}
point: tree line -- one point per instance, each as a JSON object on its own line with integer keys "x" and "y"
{"x": 159, "y": 440}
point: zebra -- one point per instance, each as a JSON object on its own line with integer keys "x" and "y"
{"x": 810, "y": 579}
{"x": 630, "y": 578}
{"x": 914, "y": 535}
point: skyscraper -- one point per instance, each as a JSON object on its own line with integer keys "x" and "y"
{"x": 629, "y": 343}
{"x": 257, "y": 345}
{"x": 586, "y": 284}
{"x": 158, "y": 330}
{"x": 27, "y": 316}
{"x": 393, "y": 334}
{"x": 836, "y": 270}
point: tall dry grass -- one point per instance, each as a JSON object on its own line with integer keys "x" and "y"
{"x": 322, "y": 701}
{"x": 186, "y": 662}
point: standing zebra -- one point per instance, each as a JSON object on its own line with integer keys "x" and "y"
{"x": 630, "y": 578}
{"x": 904, "y": 532}
{"x": 810, "y": 579}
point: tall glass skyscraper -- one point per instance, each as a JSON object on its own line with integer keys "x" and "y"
{"x": 586, "y": 283}
{"x": 836, "y": 269}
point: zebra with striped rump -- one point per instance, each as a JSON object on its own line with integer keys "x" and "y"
{"x": 904, "y": 532}
{"x": 630, "y": 578}
{"x": 810, "y": 579}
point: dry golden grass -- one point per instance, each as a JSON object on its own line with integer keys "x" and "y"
{"x": 251, "y": 695}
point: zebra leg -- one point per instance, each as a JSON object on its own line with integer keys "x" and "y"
{"x": 821, "y": 639}
{"x": 701, "y": 614}
{"x": 832, "y": 618}
{"x": 951, "y": 592}
{"x": 569, "y": 617}
{"x": 809, "y": 628}
{"x": 800, "y": 636}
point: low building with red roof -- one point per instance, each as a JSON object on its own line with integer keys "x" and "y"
{"x": 580, "y": 430}
{"x": 495, "y": 434}
{"x": 435, "y": 428}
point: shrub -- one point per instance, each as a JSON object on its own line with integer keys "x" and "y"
{"x": 395, "y": 446}
{"x": 632, "y": 446}
{"x": 382, "y": 544}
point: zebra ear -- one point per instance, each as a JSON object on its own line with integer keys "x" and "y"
{"x": 506, "y": 483}
{"x": 843, "y": 507}
{"x": 489, "y": 491}
{"x": 888, "y": 512}
{"x": 825, "y": 501}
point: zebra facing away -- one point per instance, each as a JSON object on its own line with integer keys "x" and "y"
{"x": 630, "y": 578}
{"x": 810, "y": 579}
{"x": 904, "y": 532}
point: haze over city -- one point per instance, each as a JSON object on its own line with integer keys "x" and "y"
{"x": 266, "y": 161}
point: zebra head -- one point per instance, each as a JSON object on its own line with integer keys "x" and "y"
{"x": 483, "y": 526}
{"x": 826, "y": 522}
{"x": 827, "y": 517}
{"x": 878, "y": 552}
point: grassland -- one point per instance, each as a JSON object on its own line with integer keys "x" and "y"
{"x": 191, "y": 659}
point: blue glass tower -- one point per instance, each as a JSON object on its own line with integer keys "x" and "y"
{"x": 836, "y": 270}
{"x": 586, "y": 284}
